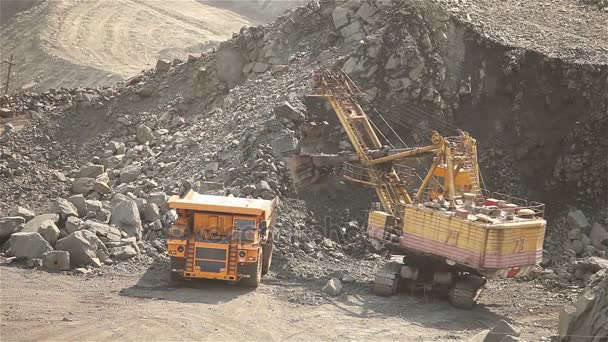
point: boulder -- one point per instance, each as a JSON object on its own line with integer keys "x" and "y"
{"x": 591, "y": 264}
{"x": 341, "y": 16}
{"x": 366, "y": 11}
{"x": 123, "y": 252}
{"x": 73, "y": 224}
{"x": 162, "y": 65}
{"x": 100, "y": 229}
{"x": 56, "y": 260}
{"x": 577, "y": 246}
{"x": 169, "y": 218}
{"x": 102, "y": 187}
{"x": 578, "y": 220}
{"x": 80, "y": 203}
{"x": 500, "y": 331}
{"x": 158, "y": 198}
{"x": 49, "y": 231}
{"x": 574, "y": 234}
{"x": 144, "y": 134}
{"x": 46, "y": 225}
{"x": 130, "y": 173}
{"x": 83, "y": 246}
{"x": 587, "y": 320}
{"x": 8, "y": 225}
{"x": 599, "y": 236}
{"x": 64, "y": 208}
{"x": 286, "y": 111}
{"x": 29, "y": 245}
{"x": 83, "y": 185}
{"x": 23, "y": 212}
{"x": 333, "y": 287}
{"x": 90, "y": 171}
{"x": 93, "y": 206}
{"x": 125, "y": 216}
{"x": 151, "y": 212}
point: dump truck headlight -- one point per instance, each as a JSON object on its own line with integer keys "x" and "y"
{"x": 180, "y": 248}
{"x": 242, "y": 254}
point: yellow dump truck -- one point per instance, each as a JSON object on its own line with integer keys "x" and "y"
{"x": 219, "y": 237}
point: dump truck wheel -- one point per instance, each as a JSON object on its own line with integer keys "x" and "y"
{"x": 267, "y": 251}
{"x": 254, "y": 270}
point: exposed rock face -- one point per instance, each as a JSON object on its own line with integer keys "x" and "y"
{"x": 588, "y": 319}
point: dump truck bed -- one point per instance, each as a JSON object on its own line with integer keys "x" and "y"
{"x": 223, "y": 204}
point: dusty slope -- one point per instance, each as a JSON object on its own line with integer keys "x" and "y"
{"x": 90, "y": 43}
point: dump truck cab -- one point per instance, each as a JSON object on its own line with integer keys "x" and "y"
{"x": 223, "y": 238}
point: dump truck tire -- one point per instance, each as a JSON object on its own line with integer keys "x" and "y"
{"x": 254, "y": 270}
{"x": 267, "y": 251}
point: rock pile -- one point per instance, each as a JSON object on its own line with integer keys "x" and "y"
{"x": 587, "y": 319}
{"x": 82, "y": 232}
{"x": 582, "y": 254}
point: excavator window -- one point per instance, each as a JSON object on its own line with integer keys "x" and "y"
{"x": 241, "y": 224}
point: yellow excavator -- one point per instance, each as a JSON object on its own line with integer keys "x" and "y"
{"x": 453, "y": 234}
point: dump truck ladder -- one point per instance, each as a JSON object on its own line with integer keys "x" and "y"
{"x": 232, "y": 257}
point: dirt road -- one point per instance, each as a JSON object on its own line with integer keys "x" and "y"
{"x": 91, "y": 43}
{"x": 37, "y": 305}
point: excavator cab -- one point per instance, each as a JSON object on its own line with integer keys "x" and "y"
{"x": 463, "y": 183}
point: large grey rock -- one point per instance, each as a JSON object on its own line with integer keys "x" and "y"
{"x": 125, "y": 216}
{"x": 123, "y": 252}
{"x": 83, "y": 246}
{"x": 8, "y": 225}
{"x": 93, "y": 205}
{"x": 599, "y": 236}
{"x": 83, "y": 185}
{"x": 352, "y": 29}
{"x": 73, "y": 224}
{"x": 578, "y": 220}
{"x": 29, "y": 245}
{"x": 49, "y": 231}
{"x": 46, "y": 225}
{"x": 341, "y": 16}
{"x": 591, "y": 264}
{"x": 102, "y": 187}
{"x": 130, "y": 173}
{"x": 80, "y": 203}
{"x": 144, "y": 134}
{"x": 162, "y": 65}
{"x": 286, "y": 111}
{"x": 64, "y": 208}
{"x": 587, "y": 320}
{"x": 56, "y": 260}
{"x": 23, "y": 212}
{"x": 502, "y": 329}
{"x": 333, "y": 287}
{"x": 151, "y": 212}
{"x": 366, "y": 11}
{"x": 100, "y": 229}
{"x": 159, "y": 198}
{"x": 90, "y": 171}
